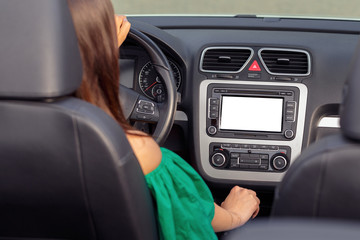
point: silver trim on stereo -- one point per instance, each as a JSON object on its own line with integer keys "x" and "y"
{"x": 205, "y": 139}
{"x": 211, "y": 71}
{"x": 286, "y": 50}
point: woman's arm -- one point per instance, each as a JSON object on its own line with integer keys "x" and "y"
{"x": 146, "y": 150}
{"x": 239, "y": 206}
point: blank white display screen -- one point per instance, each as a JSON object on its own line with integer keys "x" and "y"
{"x": 251, "y": 114}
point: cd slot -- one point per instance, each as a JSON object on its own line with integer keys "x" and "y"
{"x": 252, "y": 92}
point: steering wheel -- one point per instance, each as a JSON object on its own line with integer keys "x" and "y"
{"x": 137, "y": 107}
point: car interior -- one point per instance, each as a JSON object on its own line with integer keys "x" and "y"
{"x": 266, "y": 103}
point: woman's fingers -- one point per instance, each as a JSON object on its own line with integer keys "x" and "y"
{"x": 122, "y": 28}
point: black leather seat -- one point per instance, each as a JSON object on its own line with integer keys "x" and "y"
{"x": 66, "y": 168}
{"x": 296, "y": 229}
{"x": 324, "y": 182}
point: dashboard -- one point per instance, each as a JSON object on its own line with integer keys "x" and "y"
{"x": 255, "y": 92}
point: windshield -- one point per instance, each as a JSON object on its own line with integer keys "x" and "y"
{"x": 286, "y": 8}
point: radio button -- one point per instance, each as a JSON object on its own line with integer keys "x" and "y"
{"x": 255, "y": 161}
{"x": 234, "y": 155}
{"x": 245, "y": 146}
{"x": 264, "y": 147}
{"x": 234, "y": 163}
{"x": 241, "y": 160}
{"x": 290, "y": 104}
{"x": 290, "y": 118}
{"x": 250, "y": 161}
{"x": 272, "y": 147}
{"x": 289, "y": 133}
{"x": 264, "y": 167}
{"x": 214, "y": 108}
{"x": 214, "y": 101}
{"x": 214, "y": 115}
{"x": 235, "y": 145}
{"x": 290, "y": 111}
{"x": 212, "y": 130}
{"x": 244, "y": 156}
{"x": 226, "y": 145}
{"x": 264, "y": 157}
{"x": 266, "y": 162}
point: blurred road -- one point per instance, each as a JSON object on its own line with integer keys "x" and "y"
{"x": 318, "y": 8}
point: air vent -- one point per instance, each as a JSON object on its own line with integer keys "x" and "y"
{"x": 285, "y": 61}
{"x": 225, "y": 59}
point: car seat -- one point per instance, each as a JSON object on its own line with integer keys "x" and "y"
{"x": 66, "y": 168}
{"x": 324, "y": 181}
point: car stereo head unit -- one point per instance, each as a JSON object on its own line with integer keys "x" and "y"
{"x": 252, "y": 112}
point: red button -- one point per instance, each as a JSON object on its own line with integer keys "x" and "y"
{"x": 255, "y": 67}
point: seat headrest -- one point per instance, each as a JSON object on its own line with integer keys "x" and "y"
{"x": 39, "y": 53}
{"x": 350, "y": 109}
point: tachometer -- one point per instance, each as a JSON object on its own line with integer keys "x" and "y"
{"x": 151, "y": 84}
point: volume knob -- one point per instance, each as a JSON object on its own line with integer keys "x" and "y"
{"x": 212, "y": 130}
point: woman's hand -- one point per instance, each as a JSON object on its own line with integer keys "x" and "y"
{"x": 122, "y": 28}
{"x": 242, "y": 204}
{"x": 239, "y": 206}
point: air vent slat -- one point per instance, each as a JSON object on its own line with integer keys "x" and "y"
{"x": 222, "y": 59}
{"x": 286, "y": 61}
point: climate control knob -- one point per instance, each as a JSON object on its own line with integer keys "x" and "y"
{"x": 219, "y": 158}
{"x": 279, "y": 162}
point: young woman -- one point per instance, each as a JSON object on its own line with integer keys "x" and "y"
{"x": 186, "y": 209}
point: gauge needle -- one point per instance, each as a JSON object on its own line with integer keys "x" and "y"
{"x": 150, "y": 86}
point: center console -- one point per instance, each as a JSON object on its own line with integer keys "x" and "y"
{"x": 250, "y": 131}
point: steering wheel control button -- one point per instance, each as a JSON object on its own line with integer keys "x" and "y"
{"x": 144, "y": 117}
{"x": 289, "y": 134}
{"x": 212, "y": 130}
{"x": 279, "y": 162}
{"x": 145, "y": 107}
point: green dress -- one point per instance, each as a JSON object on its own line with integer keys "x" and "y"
{"x": 185, "y": 206}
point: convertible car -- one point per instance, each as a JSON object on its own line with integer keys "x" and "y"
{"x": 265, "y": 102}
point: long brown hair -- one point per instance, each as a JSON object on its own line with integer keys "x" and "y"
{"x": 95, "y": 28}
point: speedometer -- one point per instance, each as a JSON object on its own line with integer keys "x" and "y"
{"x": 152, "y": 85}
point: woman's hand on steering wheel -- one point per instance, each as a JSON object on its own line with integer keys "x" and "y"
{"x": 122, "y": 28}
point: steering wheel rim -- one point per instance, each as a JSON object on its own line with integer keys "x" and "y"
{"x": 161, "y": 65}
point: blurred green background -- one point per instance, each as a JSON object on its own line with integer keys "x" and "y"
{"x": 314, "y": 8}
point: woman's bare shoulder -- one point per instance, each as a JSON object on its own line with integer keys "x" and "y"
{"x": 146, "y": 150}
